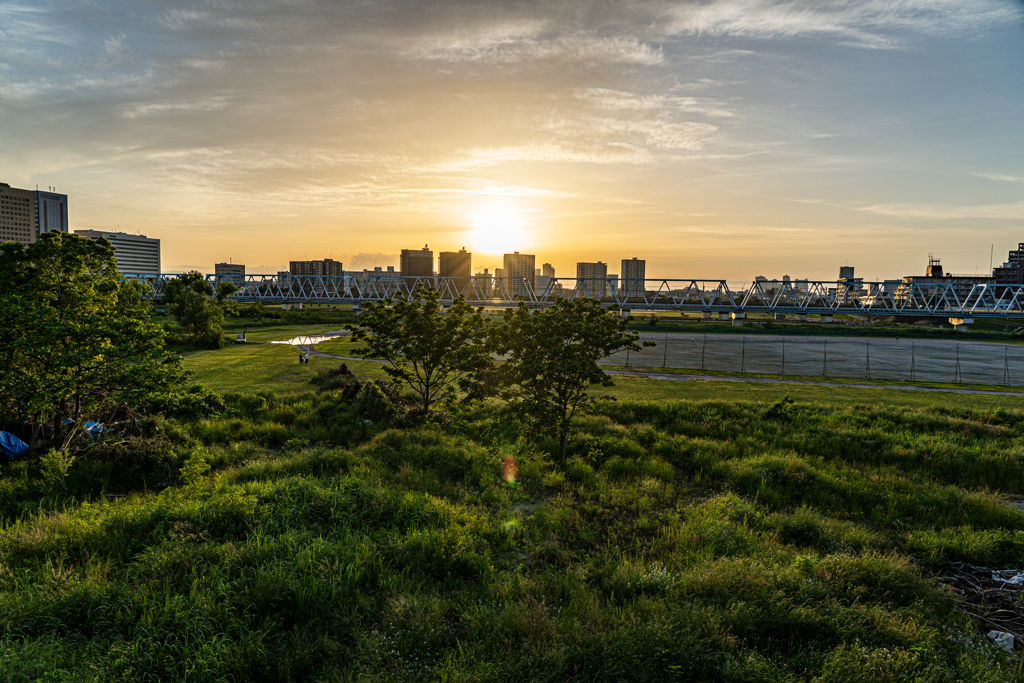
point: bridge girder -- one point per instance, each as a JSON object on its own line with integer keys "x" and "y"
{"x": 932, "y": 299}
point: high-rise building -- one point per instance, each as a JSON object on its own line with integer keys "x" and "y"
{"x": 17, "y": 215}
{"x": 1012, "y": 270}
{"x": 633, "y": 269}
{"x": 589, "y": 273}
{"x": 327, "y": 267}
{"x": 547, "y": 270}
{"x": 51, "y": 212}
{"x": 39, "y": 211}
{"x": 845, "y": 272}
{"x": 520, "y": 267}
{"x": 632, "y": 275}
{"x": 417, "y": 262}
{"x": 455, "y": 263}
{"x": 229, "y": 269}
{"x": 134, "y": 253}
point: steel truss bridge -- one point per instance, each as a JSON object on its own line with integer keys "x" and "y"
{"x": 710, "y": 297}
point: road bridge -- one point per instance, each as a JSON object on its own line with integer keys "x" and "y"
{"x": 714, "y": 299}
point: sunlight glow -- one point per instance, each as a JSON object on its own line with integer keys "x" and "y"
{"x": 498, "y": 228}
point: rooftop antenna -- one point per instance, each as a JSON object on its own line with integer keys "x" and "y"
{"x": 991, "y": 251}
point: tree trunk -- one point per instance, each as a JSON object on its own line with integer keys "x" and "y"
{"x": 563, "y": 436}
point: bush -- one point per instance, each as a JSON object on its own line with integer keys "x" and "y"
{"x": 374, "y": 405}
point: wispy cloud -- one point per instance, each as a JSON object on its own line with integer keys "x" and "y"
{"x": 1000, "y": 177}
{"x": 864, "y": 23}
{"x": 1012, "y": 210}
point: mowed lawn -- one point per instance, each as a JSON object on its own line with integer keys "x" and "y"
{"x": 255, "y": 367}
{"x": 643, "y": 389}
{"x": 275, "y": 368}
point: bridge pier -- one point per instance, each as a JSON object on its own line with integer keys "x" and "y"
{"x": 801, "y": 317}
{"x": 780, "y": 316}
{"x": 723, "y": 315}
{"x": 738, "y": 318}
{"x": 826, "y": 319}
{"x": 961, "y": 324}
{"x": 706, "y": 315}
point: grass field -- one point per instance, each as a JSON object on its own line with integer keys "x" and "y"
{"x": 275, "y": 368}
{"x": 256, "y": 367}
{"x": 699, "y": 390}
{"x": 291, "y": 539}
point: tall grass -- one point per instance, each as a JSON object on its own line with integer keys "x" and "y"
{"x": 289, "y": 539}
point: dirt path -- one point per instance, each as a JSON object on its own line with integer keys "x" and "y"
{"x": 769, "y": 380}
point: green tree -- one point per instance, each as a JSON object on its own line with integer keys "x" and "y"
{"x": 193, "y": 301}
{"x": 427, "y": 349}
{"x": 554, "y": 353}
{"x": 76, "y": 337}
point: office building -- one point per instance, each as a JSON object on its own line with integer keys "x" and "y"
{"x": 455, "y": 263}
{"x": 17, "y": 215}
{"x": 327, "y": 267}
{"x": 134, "y": 253}
{"x": 845, "y": 272}
{"x": 417, "y": 262}
{"x": 37, "y": 210}
{"x": 51, "y": 212}
{"x": 229, "y": 269}
{"x": 547, "y": 270}
{"x": 586, "y": 276}
{"x": 520, "y": 267}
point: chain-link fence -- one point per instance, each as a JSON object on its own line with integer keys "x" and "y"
{"x": 841, "y": 357}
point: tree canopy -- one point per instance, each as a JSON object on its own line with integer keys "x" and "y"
{"x": 554, "y": 353}
{"x": 76, "y": 336}
{"x": 199, "y": 308}
{"x": 428, "y": 349}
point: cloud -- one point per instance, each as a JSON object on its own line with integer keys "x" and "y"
{"x": 144, "y": 109}
{"x": 1012, "y": 210}
{"x": 114, "y": 46}
{"x": 864, "y": 23}
{"x": 370, "y": 260}
{"x": 505, "y": 48}
{"x": 1000, "y": 177}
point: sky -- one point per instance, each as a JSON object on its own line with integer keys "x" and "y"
{"x": 719, "y": 139}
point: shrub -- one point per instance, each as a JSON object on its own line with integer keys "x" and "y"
{"x": 374, "y": 405}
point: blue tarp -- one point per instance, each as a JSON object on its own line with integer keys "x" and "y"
{"x": 12, "y": 445}
{"x": 94, "y": 429}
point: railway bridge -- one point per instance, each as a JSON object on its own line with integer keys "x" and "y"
{"x": 713, "y": 299}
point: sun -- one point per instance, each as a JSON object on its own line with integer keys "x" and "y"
{"x": 497, "y": 228}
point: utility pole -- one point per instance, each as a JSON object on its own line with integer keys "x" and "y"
{"x": 783, "y": 356}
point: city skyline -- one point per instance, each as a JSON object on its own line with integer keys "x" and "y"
{"x": 724, "y": 139}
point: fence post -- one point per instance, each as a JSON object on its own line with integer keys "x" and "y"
{"x": 783, "y": 356}
{"x": 743, "y": 355}
{"x": 912, "y": 377}
{"x": 958, "y": 378}
{"x": 702, "y": 347}
{"x": 664, "y": 358}
{"x": 824, "y": 369}
{"x": 1006, "y": 367}
{"x": 867, "y": 358}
